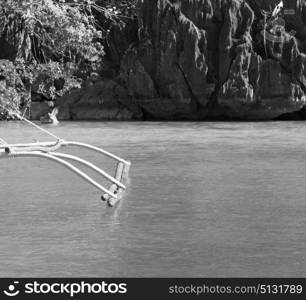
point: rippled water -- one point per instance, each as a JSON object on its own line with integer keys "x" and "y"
{"x": 205, "y": 199}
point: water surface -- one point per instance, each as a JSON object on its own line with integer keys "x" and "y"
{"x": 205, "y": 199}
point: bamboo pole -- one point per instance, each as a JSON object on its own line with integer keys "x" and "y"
{"x": 90, "y": 165}
{"x": 65, "y": 164}
{"x": 96, "y": 149}
{"x": 114, "y": 188}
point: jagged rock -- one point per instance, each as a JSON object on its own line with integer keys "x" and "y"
{"x": 39, "y": 109}
{"x": 295, "y": 17}
{"x": 133, "y": 75}
{"x": 259, "y": 5}
{"x": 166, "y": 109}
{"x": 260, "y": 89}
{"x": 237, "y": 21}
{"x": 200, "y": 59}
{"x": 119, "y": 36}
{"x": 172, "y": 52}
{"x": 105, "y": 100}
{"x": 298, "y": 68}
{"x": 238, "y": 85}
{"x": 200, "y": 12}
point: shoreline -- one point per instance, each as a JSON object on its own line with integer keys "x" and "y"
{"x": 161, "y": 121}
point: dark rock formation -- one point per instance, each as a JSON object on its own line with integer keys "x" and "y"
{"x": 201, "y": 59}
{"x": 106, "y": 100}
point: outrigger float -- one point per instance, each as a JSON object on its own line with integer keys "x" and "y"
{"x": 49, "y": 150}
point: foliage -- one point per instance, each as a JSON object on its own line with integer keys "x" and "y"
{"x": 45, "y": 30}
{"x": 12, "y": 91}
{"x": 53, "y": 46}
{"x": 9, "y": 99}
{"x": 20, "y": 81}
{"x": 48, "y": 47}
{"x": 118, "y": 8}
{"x": 53, "y": 80}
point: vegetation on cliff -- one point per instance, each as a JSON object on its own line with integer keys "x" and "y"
{"x": 154, "y": 59}
{"x": 49, "y": 47}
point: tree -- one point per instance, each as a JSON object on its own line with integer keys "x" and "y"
{"x": 45, "y": 30}
{"x": 48, "y": 41}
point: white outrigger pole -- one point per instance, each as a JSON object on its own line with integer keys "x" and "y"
{"x": 48, "y": 150}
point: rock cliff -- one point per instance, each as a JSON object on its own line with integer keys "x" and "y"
{"x": 200, "y": 60}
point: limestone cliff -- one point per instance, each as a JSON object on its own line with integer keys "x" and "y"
{"x": 200, "y": 60}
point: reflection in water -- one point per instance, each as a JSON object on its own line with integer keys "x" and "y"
{"x": 205, "y": 199}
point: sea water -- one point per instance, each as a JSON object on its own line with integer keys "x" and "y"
{"x": 204, "y": 199}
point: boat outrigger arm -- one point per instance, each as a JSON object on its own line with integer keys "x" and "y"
{"x": 48, "y": 150}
